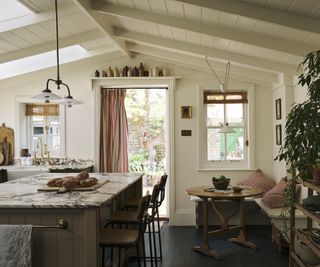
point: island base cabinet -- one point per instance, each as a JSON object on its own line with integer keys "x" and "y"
{"x": 51, "y": 247}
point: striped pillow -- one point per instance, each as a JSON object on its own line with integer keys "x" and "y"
{"x": 258, "y": 180}
{"x": 275, "y": 197}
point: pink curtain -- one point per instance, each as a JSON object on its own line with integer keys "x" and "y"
{"x": 113, "y": 131}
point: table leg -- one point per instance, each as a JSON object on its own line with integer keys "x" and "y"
{"x": 241, "y": 239}
{"x": 204, "y": 248}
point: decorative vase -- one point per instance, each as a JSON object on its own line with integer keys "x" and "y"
{"x": 155, "y": 72}
{"x": 110, "y": 72}
{"x": 135, "y": 71}
{"x": 141, "y": 70}
{"x": 116, "y": 72}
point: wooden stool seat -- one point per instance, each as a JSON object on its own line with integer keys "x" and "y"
{"x": 118, "y": 237}
{"x": 132, "y": 203}
{"x": 124, "y": 217}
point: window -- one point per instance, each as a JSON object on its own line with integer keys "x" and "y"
{"x": 44, "y": 130}
{"x": 221, "y": 150}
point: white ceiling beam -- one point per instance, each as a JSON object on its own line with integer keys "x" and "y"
{"x": 260, "y": 13}
{"x": 237, "y": 72}
{"x": 223, "y": 55}
{"x": 245, "y": 37}
{"x": 102, "y": 22}
{"x": 49, "y": 46}
{"x": 25, "y": 21}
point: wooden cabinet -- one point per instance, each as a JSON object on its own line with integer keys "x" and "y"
{"x": 305, "y": 234}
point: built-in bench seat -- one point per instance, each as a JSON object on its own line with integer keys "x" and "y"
{"x": 279, "y": 234}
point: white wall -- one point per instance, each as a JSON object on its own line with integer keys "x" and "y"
{"x": 79, "y": 121}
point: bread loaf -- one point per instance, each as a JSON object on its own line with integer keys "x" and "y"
{"x": 88, "y": 182}
{"x": 69, "y": 182}
{"x": 55, "y": 182}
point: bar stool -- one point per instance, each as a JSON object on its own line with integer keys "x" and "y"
{"x": 124, "y": 217}
{"x": 127, "y": 238}
{"x": 162, "y": 189}
{"x": 154, "y": 206}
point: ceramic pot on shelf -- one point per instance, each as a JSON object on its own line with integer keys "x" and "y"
{"x": 110, "y": 72}
{"x": 155, "y": 72}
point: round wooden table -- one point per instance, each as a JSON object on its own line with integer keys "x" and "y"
{"x": 200, "y": 192}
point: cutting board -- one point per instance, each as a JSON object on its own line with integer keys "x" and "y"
{"x": 47, "y": 188}
{"x": 7, "y": 134}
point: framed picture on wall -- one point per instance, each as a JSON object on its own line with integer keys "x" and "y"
{"x": 278, "y": 109}
{"x": 279, "y": 134}
{"x": 186, "y": 112}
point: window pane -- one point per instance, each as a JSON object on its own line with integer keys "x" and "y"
{"x": 36, "y": 143}
{"x": 214, "y": 114}
{"x": 37, "y": 130}
{"x": 53, "y": 144}
{"x": 235, "y": 145}
{"x": 234, "y": 114}
{"x": 216, "y": 145}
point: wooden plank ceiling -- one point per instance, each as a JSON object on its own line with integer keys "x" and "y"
{"x": 264, "y": 37}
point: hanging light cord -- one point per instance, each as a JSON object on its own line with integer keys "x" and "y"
{"x": 206, "y": 59}
{"x": 226, "y": 78}
{"x": 57, "y": 44}
{"x": 58, "y": 80}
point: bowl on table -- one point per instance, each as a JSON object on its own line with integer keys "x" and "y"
{"x": 237, "y": 189}
{"x": 221, "y": 184}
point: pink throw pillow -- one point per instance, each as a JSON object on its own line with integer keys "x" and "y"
{"x": 258, "y": 180}
{"x": 275, "y": 197}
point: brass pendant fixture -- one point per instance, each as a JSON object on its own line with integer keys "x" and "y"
{"x": 46, "y": 94}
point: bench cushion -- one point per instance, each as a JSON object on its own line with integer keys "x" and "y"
{"x": 274, "y": 213}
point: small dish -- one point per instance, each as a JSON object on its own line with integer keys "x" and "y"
{"x": 237, "y": 189}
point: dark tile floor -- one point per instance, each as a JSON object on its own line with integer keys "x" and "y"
{"x": 177, "y": 243}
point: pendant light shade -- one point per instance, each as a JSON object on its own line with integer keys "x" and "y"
{"x": 46, "y": 94}
{"x": 226, "y": 129}
{"x": 69, "y": 101}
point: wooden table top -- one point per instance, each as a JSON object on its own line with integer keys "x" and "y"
{"x": 228, "y": 194}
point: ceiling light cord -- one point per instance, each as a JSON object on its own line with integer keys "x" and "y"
{"x": 46, "y": 94}
{"x": 206, "y": 59}
{"x": 58, "y": 82}
{"x": 226, "y": 78}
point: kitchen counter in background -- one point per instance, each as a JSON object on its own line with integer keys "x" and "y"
{"x": 18, "y": 171}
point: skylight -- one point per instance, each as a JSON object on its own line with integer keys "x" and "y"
{"x": 13, "y": 9}
{"x": 41, "y": 61}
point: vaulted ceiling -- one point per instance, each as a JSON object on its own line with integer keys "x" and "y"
{"x": 261, "y": 38}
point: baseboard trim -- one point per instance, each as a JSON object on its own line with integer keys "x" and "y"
{"x": 184, "y": 217}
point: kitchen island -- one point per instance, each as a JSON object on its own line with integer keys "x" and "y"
{"x": 85, "y": 213}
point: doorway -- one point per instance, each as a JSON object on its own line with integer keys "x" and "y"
{"x": 146, "y": 114}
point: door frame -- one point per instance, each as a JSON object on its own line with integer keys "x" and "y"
{"x": 152, "y": 82}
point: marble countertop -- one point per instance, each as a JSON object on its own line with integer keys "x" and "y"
{"x": 22, "y": 193}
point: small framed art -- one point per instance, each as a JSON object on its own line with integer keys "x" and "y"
{"x": 278, "y": 109}
{"x": 279, "y": 134}
{"x": 186, "y": 112}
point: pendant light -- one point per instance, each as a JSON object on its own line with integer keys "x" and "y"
{"x": 46, "y": 94}
{"x": 225, "y": 128}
